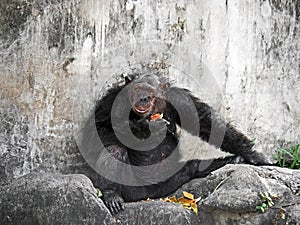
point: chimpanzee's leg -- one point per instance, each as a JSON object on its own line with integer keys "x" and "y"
{"x": 192, "y": 169}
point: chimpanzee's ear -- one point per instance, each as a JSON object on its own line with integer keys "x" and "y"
{"x": 164, "y": 86}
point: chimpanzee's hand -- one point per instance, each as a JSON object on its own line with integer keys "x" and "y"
{"x": 158, "y": 127}
{"x": 113, "y": 201}
{"x": 257, "y": 158}
{"x": 139, "y": 125}
{"x": 135, "y": 126}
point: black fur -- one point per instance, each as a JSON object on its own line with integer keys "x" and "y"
{"x": 114, "y": 194}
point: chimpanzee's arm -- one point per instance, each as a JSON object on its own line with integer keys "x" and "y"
{"x": 213, "y": 129}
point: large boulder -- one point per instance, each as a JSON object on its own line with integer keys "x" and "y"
{"x": 230, "y": 195}
{"x": 47, "y": 199}
{"x": 156, "y": 212}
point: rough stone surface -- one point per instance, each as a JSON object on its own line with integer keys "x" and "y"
{"x": 230, "y": 195}
{"x": 71, "y": 199}
{"x": 52, "y": 199}
{"x": 156, "y": 212}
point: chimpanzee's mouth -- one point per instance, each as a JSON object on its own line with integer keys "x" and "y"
{"x": 144, "y": 105}
{"x": 142, "y": 109}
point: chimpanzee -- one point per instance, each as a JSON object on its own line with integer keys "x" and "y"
{"x": 137, "y": 148}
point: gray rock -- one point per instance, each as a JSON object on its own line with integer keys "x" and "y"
{"x": 158, "y": 213}
{"x": 52, "y": 199}
{"x": 230, "y": 195}
{"x": 43, "y": 198}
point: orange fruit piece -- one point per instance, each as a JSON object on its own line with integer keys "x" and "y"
{"x": 156, "y": 116}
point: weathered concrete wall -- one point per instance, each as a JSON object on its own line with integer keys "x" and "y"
{"x": 57, "y": 57}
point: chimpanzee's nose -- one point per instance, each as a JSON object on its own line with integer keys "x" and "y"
{"x": 145, "y": 99}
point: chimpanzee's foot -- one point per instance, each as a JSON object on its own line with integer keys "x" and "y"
{"x": 113, "y": 201}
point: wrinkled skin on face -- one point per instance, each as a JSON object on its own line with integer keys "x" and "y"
{"x": 146, "y": 94}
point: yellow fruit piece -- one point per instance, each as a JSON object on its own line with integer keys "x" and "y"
{"x": 194, "y": 207}
{"x": 173, "y": 199}
{"x": 188, "y": 195}
{"x": 187, "y": 201}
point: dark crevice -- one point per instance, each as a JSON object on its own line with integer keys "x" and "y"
{"x": 226, "y": 4}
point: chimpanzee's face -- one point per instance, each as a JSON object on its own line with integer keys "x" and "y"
{"x": 144, "y": 92}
